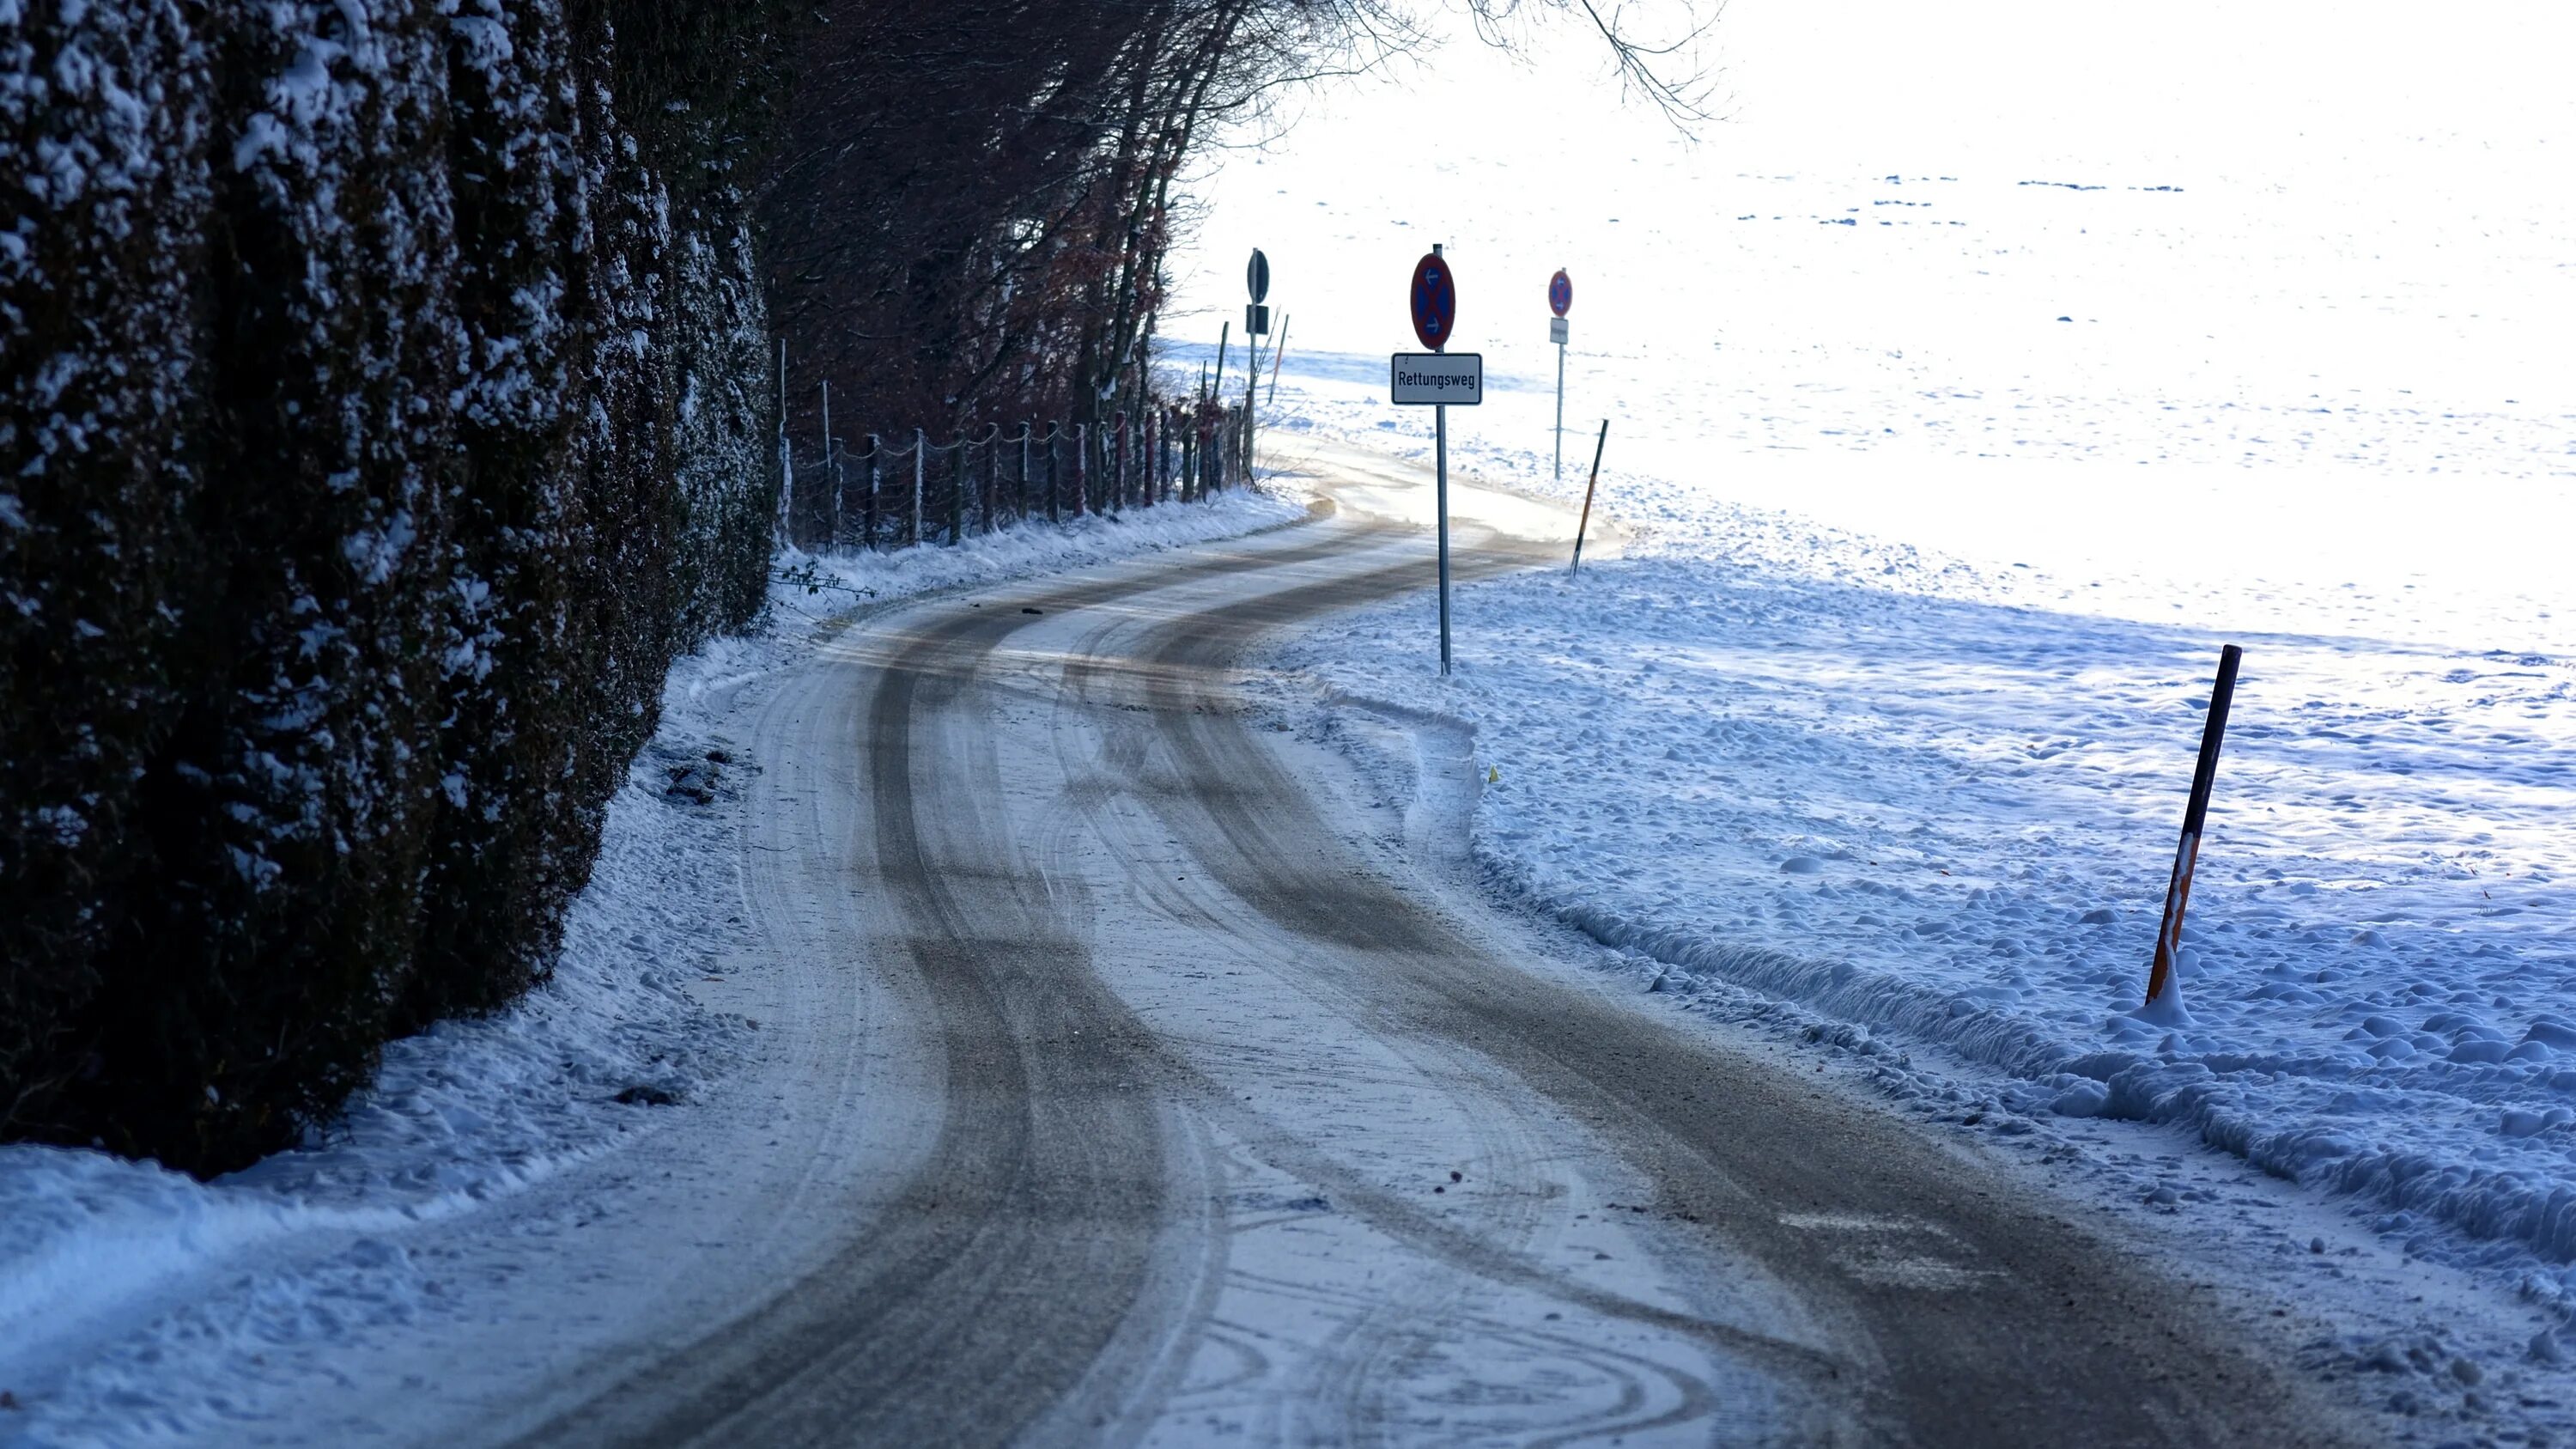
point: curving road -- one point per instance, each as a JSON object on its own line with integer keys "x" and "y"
{"x": 1138, "y": 1076}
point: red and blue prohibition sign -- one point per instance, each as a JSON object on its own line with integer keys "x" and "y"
{"x": 1435, "y": 301}
{"x": 1560, "y": 292}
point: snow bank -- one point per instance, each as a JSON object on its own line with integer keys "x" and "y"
{"x": 807, "y": 579}
{"x": 304, "y": 1246}
{"x": 1950, "y": 821}
{"x": 1952, "y": 440}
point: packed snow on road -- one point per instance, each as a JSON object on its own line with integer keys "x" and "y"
{"x": 1948, "y": 460}
{"x": 137, "y": 1304}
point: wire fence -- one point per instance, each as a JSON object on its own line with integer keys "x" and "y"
{"x": 887, "y": 491}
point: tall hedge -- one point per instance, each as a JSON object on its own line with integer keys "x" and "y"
{"x": 380, "y": 412}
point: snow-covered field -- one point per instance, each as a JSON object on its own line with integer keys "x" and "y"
{"x": 1967, "y": 391}
{"x": 138, "y": 1305}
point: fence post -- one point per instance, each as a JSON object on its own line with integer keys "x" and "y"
{"x": 957, "y": 493}
{"x": 1118, "y": 490}
{"x": 876, "y": 483}
{"x": 1053, "y": 429}
{"x": 1081, "y": 469}
{"x": 830, "y": 479}
{"x": 786, "y": 458}
{"x": 992, "y": 471}
{"x": 920, "y": 464}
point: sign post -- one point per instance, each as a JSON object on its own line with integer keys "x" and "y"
{"x": 1436, "y": 379}
{"x": 1560, "y": 297}
{"x": 1256, "y": 324}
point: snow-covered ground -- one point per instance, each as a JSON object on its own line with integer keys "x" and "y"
{"x": 139, "y": 1305}
{"x": 1967, "y": 390}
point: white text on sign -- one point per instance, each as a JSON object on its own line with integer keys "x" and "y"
{"x": 1421, "y": 379}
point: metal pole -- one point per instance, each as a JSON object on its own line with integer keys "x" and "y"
{"x": 1277, "y": 352}
{"x": 1440, "y": 459}
{"x": 1586, "y": 521}
{"x": 2195, "y": 816}
{"x": 1081, "y": 469}
{"x": 1440, "y": 452}
{"x": 1560, "y": 415}
{"x": 831, "y": 476}
{"x": 1250, "y": 384}
{"x": 920, "y": 462}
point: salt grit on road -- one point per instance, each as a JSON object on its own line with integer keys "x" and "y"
{"x": 1968, "y": 387}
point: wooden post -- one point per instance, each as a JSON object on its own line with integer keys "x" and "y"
{"x": 876, "y": 484}
{"x": 786, "y": 458}
{"x": 1054, "y": 512}
{"x": 1020, "y": 485}
{"x": 992, "y": 471}
{"x": 1250, "y": 384}
{"x": 1585, "y": 522}
{"x": 2195, "y": 818}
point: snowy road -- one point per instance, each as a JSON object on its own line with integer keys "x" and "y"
{"x": 1126, "y": 1072}
{"x": 1125, "y": 1084}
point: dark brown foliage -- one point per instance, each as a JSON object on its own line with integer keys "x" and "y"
{"x": 973, "y": 201}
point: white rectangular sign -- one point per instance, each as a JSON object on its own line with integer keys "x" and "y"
{"x": 1556, "y": 330}
{"x": 1420, "y": 379}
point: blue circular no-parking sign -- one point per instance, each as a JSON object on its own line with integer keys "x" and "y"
{"x": 1435, "y": 301}
{"x": 1560, "y": 292}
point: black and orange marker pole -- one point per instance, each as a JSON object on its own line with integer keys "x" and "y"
{"x": 1586, "y": 521}
{"x": 2194, "y": 818}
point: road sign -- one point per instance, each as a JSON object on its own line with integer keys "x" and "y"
{"x": 1256, "y": 320}
{"x": 1560, "y": 292}
{"x": 1256, "y": 276}
{"x": 1426, "y": 379}
{"x": 1556, "y": 330}
{"x": 1435, "y": 301}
